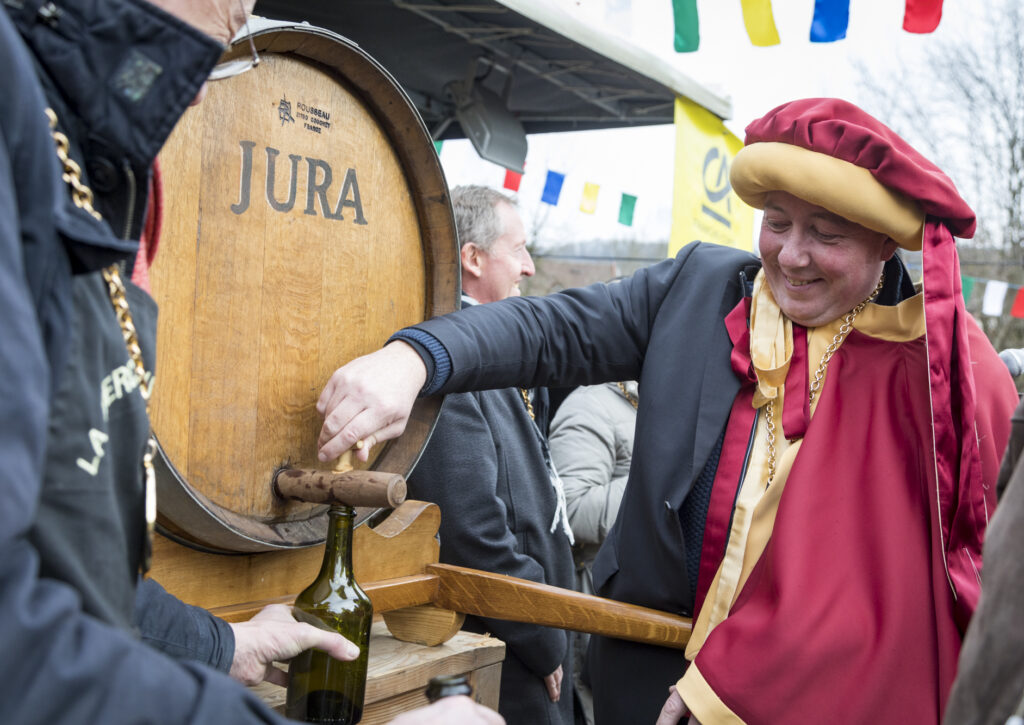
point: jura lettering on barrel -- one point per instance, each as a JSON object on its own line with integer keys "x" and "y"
{"x": 319, "y": 184}
{"x": 272, "y": 177}
{"x": 245, "y": 178}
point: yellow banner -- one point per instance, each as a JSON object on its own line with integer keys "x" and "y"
{"x": 704, "y": 206}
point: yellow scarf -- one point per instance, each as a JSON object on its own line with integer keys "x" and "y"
{"x": 771, "y": 342}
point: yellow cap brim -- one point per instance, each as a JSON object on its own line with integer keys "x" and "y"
{"x": 839, "y": 186}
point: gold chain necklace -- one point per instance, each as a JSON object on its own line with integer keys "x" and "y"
{"x": 819, "y": 375}
{"x": 631, "y": 398}
{"x": 72, "y": 172}
{"x": 82, "y": 196}
{"x": 526, "y": 399}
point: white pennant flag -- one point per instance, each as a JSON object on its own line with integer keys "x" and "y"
{"x": 995, "y": 295}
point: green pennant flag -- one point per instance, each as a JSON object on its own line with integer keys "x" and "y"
{"x": 437, "y": 146}
{"x": 626, "y": 209}
{"x": 967, "y": 284}
{"x": 687, "y": 36}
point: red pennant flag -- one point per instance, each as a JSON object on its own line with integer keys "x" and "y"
{"x": 512, "y": 180}
{"x": 1018, "y": 304}
{"x": 922, "y": 16}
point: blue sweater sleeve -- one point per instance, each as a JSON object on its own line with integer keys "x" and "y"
{"x": 434, "y": 355}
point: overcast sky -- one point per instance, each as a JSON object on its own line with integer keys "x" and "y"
{"x": 640, "y": 161}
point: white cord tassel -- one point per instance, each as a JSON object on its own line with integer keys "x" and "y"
{"x": 561, "y": 512}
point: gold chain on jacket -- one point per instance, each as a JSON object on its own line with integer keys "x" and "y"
{"x": 819, "y": 374}
{"x": 82, "y": 197}
{"x": 631, "y": 398}
{"x": 526, "y": 399}
{"x": 72, "y": 172}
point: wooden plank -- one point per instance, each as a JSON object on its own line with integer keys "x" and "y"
{"x": 408, "y": 591}
{"x": 387, "y": 595}
{"x": 503, "y": 597}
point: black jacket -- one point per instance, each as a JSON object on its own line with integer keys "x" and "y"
{"x": 118, "y": 74}
{"x": 484, "y": 466}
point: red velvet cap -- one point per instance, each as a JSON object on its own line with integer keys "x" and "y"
{"x": 840, "y": 129}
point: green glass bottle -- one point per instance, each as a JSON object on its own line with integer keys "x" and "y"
{"x": 322, "y": 689}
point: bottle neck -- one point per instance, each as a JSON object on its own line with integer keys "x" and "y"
{"x": 338, "y": 554}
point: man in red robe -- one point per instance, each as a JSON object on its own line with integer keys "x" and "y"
{"x": 817, "y": 437}
{"x": 848, "y": 593}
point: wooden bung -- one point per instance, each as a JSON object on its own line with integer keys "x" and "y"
{"x": 351, "y": 488}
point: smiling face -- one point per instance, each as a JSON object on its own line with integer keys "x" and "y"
{"x": 494, "y": 274}
{"x": 819, "y": 265}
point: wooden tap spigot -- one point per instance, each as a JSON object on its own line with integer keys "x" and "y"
{"x": 351, "y": 488}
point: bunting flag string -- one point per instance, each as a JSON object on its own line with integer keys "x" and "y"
{"x": 829, "y": 23}
{"x": 993, "y": 299}
{"x": 554, "y": 182}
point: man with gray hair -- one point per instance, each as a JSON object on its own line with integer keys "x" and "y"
{"x": 487, "y": 466}
{"x": 493, "y": 243}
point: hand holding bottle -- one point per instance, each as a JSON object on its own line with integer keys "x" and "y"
{"x": 275, "y": 635}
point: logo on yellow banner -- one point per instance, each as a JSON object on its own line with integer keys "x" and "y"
{"x": 704, "y": 206}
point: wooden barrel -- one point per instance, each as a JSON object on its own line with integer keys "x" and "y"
{"x": 306, "y": 219}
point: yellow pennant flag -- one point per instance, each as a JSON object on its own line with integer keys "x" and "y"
{"x": 589, "y": 202}
{"x": 704, "y": 206}
{"x": 760, "y": 23}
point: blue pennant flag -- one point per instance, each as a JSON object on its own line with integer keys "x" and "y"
{"x": 552, "y": 188}
{"x": 831, "y": 17}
